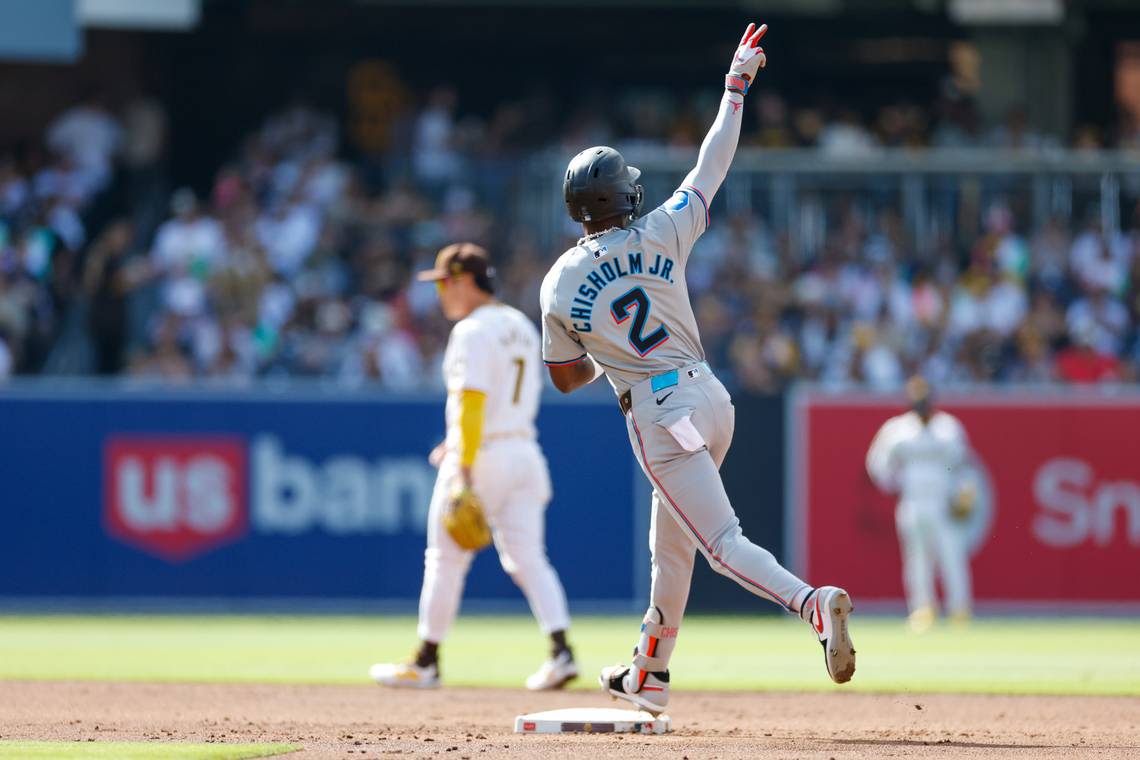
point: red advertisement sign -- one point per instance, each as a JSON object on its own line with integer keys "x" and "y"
{"x": 175, "y": 496}
{"x": 1059, "y": 519}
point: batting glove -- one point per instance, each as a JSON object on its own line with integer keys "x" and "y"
{"x": 748, "y": 60}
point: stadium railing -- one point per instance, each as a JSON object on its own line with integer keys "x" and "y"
{"x": 938, "y": 193}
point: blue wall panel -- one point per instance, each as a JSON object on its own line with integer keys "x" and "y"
{"x": 349, "y": 526}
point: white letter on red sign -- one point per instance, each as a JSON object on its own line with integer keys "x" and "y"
{"x": 209, "y": 508}
{"x": 1065, "y": 520}
{"x": 160, "y": 512}
{"x": 1108, "y": 498}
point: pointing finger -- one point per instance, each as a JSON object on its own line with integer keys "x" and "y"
{"x": 747, "y": 34}
{"x": 755, "y": 41}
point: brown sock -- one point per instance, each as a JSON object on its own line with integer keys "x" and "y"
{"x": 428, "y": 654}
{"x": 558, "y": 643}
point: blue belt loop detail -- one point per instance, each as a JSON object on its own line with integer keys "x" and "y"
{"x": 661, "y": 382}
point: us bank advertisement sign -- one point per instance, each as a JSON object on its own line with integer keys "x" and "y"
{"x": 320, "y": 496}
{"x": 1057, "y": 514}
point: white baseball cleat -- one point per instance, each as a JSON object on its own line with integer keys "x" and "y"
{"x": 829, "y": 607}
{"x": 405, "y": 675}
{"x": 922, "y": 619}
{"x": 652, "y": 696}
{"x": 554, "y": 673}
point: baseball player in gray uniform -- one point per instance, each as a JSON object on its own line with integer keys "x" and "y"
{"x": 617, "y": 303}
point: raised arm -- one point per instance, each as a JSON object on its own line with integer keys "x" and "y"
{"x": 719, "y": 145}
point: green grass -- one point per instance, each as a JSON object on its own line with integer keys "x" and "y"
{"x": 1069, "y": 656}
{"x": 139, "y": 750}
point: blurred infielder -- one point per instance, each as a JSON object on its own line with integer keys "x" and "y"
{"x": 922, "y": 456}
{"x": 617, "y": 303}
{"x": 493, "y": 480}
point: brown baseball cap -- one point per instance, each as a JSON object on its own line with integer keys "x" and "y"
{"x": 458, "y": 258}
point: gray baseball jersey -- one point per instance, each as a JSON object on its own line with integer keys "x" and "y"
{"x": 622, "y": 297}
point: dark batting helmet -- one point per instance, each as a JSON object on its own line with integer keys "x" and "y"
{"x": 599, "y": 185}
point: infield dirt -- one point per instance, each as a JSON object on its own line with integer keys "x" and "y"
{"x": 474, "y": 724}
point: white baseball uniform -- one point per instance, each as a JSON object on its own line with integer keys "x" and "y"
{"x": 494, "y": 350}
{"x": 923, "y": 464}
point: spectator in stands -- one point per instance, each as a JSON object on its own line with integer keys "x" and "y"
{"x": 145, "y": 140}
{"x": 846, "y": 136}
{"x": 1001, "y": 251}
{"x": 1031, "y": 362}
{"x": 167, "y": 358}
{"x": 807, "y": 125}
{"x": 958, "y": 121}
{"x": 1098, "y": 321}
{"x": 1045, "y": 318}
{"x": 87, "y": 137}
{"x": 108, "y": 281}
{"x": 1049, "y": 256}
{"x": 288, "y": 231}
{"x": 901, "y": 125}
{"x": 434, "y": 159}
{"x": 297, "y": 264}
{"x": 187, "y": 249}
{"x": 15, "y": 190}
{"x": 1082, "y": 363}
{"x": 773, "y": 130}
{"x": 1099, "y": 259}
{"x": 1016, "y": 133}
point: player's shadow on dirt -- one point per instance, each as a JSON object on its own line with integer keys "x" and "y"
{"x": 971, "y": 745}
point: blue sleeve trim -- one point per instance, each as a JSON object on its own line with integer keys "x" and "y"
{"x": 708, "y": 219}
{"x": 561, "y": 364}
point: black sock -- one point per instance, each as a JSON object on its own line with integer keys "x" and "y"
{"x": 558, "y": 643}
{"x": 805, "y": 612}
{"x": 428, "y": 654}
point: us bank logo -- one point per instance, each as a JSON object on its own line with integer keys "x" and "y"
{"x": 177, "y": 497}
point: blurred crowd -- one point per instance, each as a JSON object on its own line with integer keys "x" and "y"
{"x": 298, "y": 262}
{"x": 1060, "y": 305}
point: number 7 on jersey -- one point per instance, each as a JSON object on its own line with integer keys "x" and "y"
{"x": 521, "y": 363}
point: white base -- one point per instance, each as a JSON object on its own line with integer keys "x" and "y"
{"x": 592, "y": 720}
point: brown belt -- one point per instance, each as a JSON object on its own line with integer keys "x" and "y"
{"x": 625, "y": 401}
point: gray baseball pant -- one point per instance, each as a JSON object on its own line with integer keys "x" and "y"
{"x": 680, "y": 436}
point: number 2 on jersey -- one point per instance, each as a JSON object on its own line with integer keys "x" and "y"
{"x": 638, "y": 301}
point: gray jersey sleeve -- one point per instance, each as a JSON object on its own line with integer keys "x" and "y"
{"x": 559, "y": 344}
{"x": 687, "y": 214}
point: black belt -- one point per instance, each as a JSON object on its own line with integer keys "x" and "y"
{"x": 625, "y": 401}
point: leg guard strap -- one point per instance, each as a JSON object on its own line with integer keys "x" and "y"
{"x": 650, "y": 664}
{"x": 657, "y": 630}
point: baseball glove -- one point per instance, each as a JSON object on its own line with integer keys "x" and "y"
{"x": 465, "y": 522}
{"x": 962, "y": 505}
